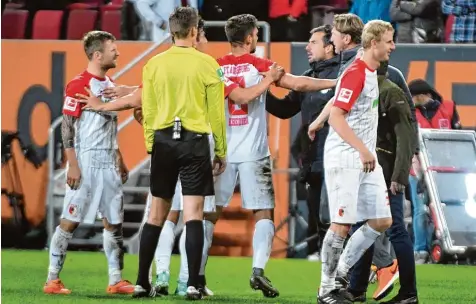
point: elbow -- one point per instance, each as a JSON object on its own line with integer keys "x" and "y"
{"x": 299, "y": 86}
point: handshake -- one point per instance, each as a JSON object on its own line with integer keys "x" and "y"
{"x": 274, "y": 73}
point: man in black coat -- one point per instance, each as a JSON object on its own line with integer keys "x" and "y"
{"x": 325, "y": 65}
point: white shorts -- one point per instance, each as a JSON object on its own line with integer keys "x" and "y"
{"x": 256, "y": 184}
{"x": 355, "y": 196}
{"x": 100, "y": 191}
{"x": 177, "y": 202}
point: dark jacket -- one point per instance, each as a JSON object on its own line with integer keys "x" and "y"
{"x": 395, "y": 76}
{"x": 310, "y": 104}
{"x": 394, "y": 134}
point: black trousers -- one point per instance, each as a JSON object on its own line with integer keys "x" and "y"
{"x": 315, "y": 181}
{"x": 187, "y": 158}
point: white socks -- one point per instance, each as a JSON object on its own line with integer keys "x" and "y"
{"x": 332, "y": 246}
{"x": 262, "y": 242}
{"x": 208, "y": 233}
{"x": 208, "y": 228}
{"x": 165, "y": 247}
{"x": 58, "y": 247}
{"x": 112, "y": 244}
{"x": 358, "y": 243}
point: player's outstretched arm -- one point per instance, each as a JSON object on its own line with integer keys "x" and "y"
{"x": 319, "y": 122}
{"x": 305, "y": 83}
{"x": 133, "y": 100}
{"x": 246, "y": 95}
{"x": 67, "y": 135}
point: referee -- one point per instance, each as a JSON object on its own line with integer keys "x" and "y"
{"x": 182, "y": 102}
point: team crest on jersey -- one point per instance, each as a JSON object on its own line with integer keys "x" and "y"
{"x": 344, "y": 95}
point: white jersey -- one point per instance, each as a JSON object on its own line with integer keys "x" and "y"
{"x": 357, "y": 93}
{"x": 246, "y": 132}
{"x": 95, "y": 132}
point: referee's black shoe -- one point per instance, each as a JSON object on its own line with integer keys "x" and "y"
{"x": 259, "y": 282}
{"x": 334, "y": 297}
{"x": 141, "y": 292}
{"x": 399, "y": 299}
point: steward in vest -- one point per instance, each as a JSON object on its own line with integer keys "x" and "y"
{"x": 432, "y": 112}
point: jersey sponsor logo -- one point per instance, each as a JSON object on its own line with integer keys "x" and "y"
{"x": 344, "y": 95}
{"x": 70, "y": 104}
{"x": 375, "y": 103}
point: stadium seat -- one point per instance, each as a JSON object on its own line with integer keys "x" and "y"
{"x": 47, "y": 24}
{"x": 80, "y": 22}
{"x": 113, "y": 6}
{"x": 117, "y": 2}
{"x": 13, "y": 6}
{"x": 78, "y": 6}
{"x": 14, "y": 24}
{"x": 111, "y": 22}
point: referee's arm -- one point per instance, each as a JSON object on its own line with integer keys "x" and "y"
{"x": 149, "y": 108}
{"x": 215, "y": 97}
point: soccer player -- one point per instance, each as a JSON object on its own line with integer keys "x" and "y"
{"x": 132, "y": 99}
{"x": 247, "y": 139}
{"x": 356, "y": 186}
{"x": 95, "y": 170}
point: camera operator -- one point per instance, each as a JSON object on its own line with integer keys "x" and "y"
{"x": 325, "y": 65}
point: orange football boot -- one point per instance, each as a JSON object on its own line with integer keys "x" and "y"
{"x": 386, "y": 277}
{"x": 123, "y": 287}
{"x": 55, "y": 287}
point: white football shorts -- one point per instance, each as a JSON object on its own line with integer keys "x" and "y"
{"x": 100, "y": 191}
{"x": 256, "y": 184}
{"x": 355, "y": 196}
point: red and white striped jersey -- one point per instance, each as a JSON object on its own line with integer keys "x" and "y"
{"x": 246, "y": 132}
{"x": 95, "y": 132}
{"x": 357, "y": 93}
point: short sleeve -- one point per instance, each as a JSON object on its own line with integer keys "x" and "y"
{"x": 262, "y": 65}
{"x": 71, "y": 105}
{"x": 350, "y": 87}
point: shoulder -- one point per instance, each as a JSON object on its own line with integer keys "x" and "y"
{"x": 395, "y": 74}
{"x": 355, "y": 69}
{"x": 77, "y": 84}
{"x": 207, "y": 59}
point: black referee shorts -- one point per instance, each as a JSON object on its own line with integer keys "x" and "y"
{"x": 188, "y": 158}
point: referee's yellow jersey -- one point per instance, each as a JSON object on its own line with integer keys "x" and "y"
{"x": 183, "y": 82}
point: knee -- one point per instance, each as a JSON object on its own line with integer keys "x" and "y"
{"x": 263, "y": 214}
{"x": 110, "y": 227}
{"x": 68, "y": 226}
{"x": 159, "y": 209}
{"x": 340, "y": 229}
{"x": 173, "y": 216}
{"x": 381, "y": 225}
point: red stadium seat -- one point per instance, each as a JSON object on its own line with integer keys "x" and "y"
{"x": 117, "y": 2}
{"x": 47, "y": 24}
{"x": 111, "y": 22}
{"x": 13, "y": 6}
{"x": 110, "y": 7}
{"x": 80, "y": 22}
{"x": 78, "y": 6}
{"x": 14, "y": 24}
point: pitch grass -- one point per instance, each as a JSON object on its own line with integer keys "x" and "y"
{"x": 85, "y": 273}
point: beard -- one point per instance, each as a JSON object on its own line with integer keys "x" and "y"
{"x": 108, "y": 66}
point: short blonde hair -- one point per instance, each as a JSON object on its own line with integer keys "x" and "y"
{"x": 349, "y": 24}
{"x": 373, "y": 30}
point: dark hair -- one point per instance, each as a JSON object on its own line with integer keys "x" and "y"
{"x": 201, "y": 27}
{"x": 327, "y": 30}
{"x": 238, "y": 27}
{"x": 94, "y": 42}
{"x": 182, "y": 20}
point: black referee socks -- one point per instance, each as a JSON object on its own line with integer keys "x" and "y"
{"x": 148, "y": 243}
{"x": 194, "y": 247}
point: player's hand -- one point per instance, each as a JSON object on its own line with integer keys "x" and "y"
{"x": 116, "y": 92}
{"x": 315, "y": 126}
{"x": 368, "y": 160}
{"x": 219, "y": 165}
{"x": 274, "y": 73}
{"x": 90, "y": 101}
{"x": 73, "y": 177}
{"x": 396, "y": 188}
{"x": 124, "y": 173}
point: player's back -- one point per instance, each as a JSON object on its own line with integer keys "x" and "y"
{"x": 95, "y": 131}
{"x": 180, "y": 75}
{"x": 247, "y": 138}
{"x": 356, "y": 92}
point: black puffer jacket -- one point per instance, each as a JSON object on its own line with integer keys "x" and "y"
{"x": 310, "y": 104}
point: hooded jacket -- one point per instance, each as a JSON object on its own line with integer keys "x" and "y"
{"x": 310, "y": 104}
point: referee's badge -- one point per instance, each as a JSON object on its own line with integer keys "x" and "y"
{"x": 220, "y": 74}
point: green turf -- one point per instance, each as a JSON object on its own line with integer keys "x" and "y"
{"x": 85, "y": 273}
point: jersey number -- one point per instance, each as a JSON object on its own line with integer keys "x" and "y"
{"x": 233, "y": 108}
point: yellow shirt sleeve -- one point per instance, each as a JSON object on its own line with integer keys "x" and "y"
{"x": 149, "y": 107}
{"x": 215, "y": 99}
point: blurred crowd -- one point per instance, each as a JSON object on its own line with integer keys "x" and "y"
{"x": 416, "y": 21}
